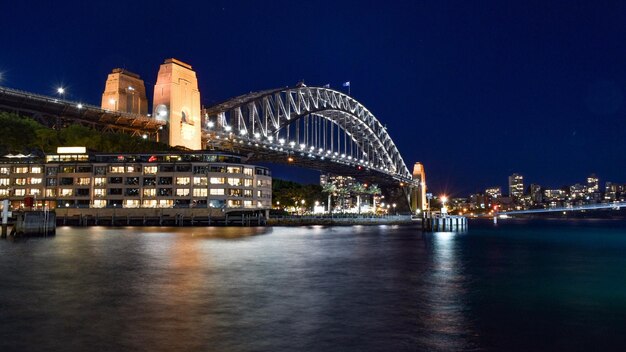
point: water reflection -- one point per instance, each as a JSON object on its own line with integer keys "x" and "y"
{"x": 446, "y": 296}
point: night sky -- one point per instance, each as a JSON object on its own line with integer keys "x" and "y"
{"x": 475, "y": 90}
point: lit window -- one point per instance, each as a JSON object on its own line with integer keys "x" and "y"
{"x": 83, "y": 181}
{"x": 36, "y": 170}
{"x": 4, "y": 170}
{"x": 234, "y": 203}
{"x": 131, "y": 203}
{"x": 217, "y": 180}
{"x": 99, "y": 203}
{"x": 259, "y": 204}
{"x": 182, "y": 192}
{"x": 4, "y": 181}
{"x": 100, "y": 181}
{"x": 200, "y": 192}
{"x": 149, "y": 192}
{"x": 99, "y": 192}
{"x": 149, "y": 203}
{"x": 51, "y": 193}
{"x": 199, "y": 181}
{"x": 20, "y": 192}
{"x": 132, "y": 169}
{"x": 21, "y": 170}
{"x": 234, "y": 181}
{"x": 66, "y": 192}
{"x": 216, "y": 192}
{"x": 247, "y": 193}
{"x": 35, "y": 181}
{"x": 234, "y": 169}
{"x": 149, "y": 170}
{"x": 34, "y": 192}
{"x": 117, "y": 169}
{"x": 20, "y": 181}
{"x": 182, "y": 181}
{"x": 247, "y": 182}
{"x": 4, "y": 192}
{"x": 247, "y": 203}
{"x": 166, "y": 203}
{"x": 248, "y": 171}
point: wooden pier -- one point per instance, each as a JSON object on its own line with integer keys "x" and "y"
{"x": 444, "y": 223}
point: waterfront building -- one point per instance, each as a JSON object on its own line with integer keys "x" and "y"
{"x": 578, "y": 191}
{"x": 516, "y": 186}
{"x": 125, "y": 91}
{"x": 593, "y": 184}
{"x": 554, "y": 197}
{"x": 494, "y": 192}
{"x": 73, "y": 178}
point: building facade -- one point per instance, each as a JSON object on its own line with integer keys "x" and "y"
{"x": 124, "y": 91}
{"x": 516, "y": 186}
{"x": 161, "y": 180}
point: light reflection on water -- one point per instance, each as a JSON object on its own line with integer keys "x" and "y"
{"x": 316, "y": 288}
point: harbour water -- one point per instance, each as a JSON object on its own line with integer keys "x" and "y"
{"x": 514, "y": 286}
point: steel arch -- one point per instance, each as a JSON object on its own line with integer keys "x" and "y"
{"x": 316, "y": 122}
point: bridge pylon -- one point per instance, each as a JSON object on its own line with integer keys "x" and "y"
{"x": 177, "y": 101}
{"x": 418, "y": 194}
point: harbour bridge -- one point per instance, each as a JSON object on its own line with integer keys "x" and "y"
{"x": 312, "y": 127}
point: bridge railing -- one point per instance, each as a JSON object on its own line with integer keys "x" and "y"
{"x": 610, "y": 205}
{"x": 75, "y": 104}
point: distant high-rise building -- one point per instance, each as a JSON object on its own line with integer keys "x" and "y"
{"x": 516, "y": 186}
{"x": 535, "y": 193}
{"x": 593, "y": 184}
{"x": 124, "y": 91}
{"x": 610, "y": 191}
{"x": 494, "y": 192}
{"x": 577, "y": 191}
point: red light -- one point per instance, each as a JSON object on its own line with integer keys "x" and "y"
{"x": 120, "y": 157}
{"x": 152, "y": 159}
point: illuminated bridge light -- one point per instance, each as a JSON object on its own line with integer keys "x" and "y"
{"x": 257, "y": 135}
{"x": 227, "y": 128}
{"x": 281, "y": 141}
{"x": 209, "y": 124}
{"x": 243, "y": 132}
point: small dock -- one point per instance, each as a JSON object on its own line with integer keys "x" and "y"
{"x": 444, "y": 223}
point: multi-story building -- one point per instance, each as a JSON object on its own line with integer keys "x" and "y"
{"x": 593, "y": 184}
{"x": 494, "y": 192}
{"x": 577, "y": 191}
{"x": 516, "y": 186}
{"x": 536, "y": 195}
{"x": 74, "y": 178}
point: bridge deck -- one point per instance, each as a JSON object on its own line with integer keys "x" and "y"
{"x": 46, "y": 107}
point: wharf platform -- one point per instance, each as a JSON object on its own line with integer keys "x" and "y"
{"x": 158, "y": 217}
{"x": 338, "y": 220}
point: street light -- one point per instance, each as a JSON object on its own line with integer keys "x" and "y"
{"x": 61, "y": 92}
{"x": 444, "y": 209}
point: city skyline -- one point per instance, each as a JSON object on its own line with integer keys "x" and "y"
{"x": 490, "y": 89}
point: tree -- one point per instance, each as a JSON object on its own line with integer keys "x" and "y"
{"x": 329, "y": 188}
{"x": 374, "y": 190}
{"x": 358, "y": 189}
